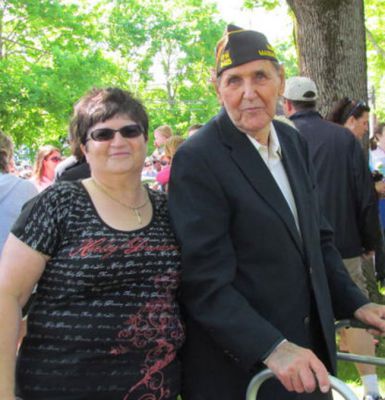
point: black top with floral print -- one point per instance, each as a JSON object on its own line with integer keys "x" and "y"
{"x": 105, "y": 323}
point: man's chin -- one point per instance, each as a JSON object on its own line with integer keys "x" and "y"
{"x": 253, "y": 128}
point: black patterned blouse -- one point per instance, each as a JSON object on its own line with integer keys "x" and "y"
{"x": 105, "y": 323}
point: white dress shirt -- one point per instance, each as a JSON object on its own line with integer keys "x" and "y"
{"x": 272, "y": 156}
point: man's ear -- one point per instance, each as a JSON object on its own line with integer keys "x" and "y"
{"x": 216, "y": 81}
{"x": 350, "y": 122}
{"x": 286, "y": 106}
{"x": 282, "y": 78}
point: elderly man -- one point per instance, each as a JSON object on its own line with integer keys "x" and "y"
{"x": 261, "y": 279}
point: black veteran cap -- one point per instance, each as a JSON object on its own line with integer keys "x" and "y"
{"x": 239, "y": 46}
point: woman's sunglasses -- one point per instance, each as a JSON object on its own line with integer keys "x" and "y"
{"x": 104, "y": 134}
{"x": 358, "y": 104}
{"x": 54, "y": 159}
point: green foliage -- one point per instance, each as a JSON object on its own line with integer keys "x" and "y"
{"x": 53, "y": 51}
{"x": 347, "y": 372}
{"x": 169, "y": 45}
{"x": 49, "y": 57}
{"x": 375, "y": 26}
{"x": 266, "y": 4}
{"x": 285, "y": 50}
{"x": 288, "y": 57}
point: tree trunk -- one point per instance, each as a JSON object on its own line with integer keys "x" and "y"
{"x": 330, "y": 36}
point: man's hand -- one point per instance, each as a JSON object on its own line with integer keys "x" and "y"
{"x": 368, "y": 255}
{"x": 380, "y": 188}
{"x": 298, "y": 369}
{"x": 374, "y": 315}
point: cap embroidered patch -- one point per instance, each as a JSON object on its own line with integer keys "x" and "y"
{"x": 239, "y": 46}
{"x": 225, "y": 59}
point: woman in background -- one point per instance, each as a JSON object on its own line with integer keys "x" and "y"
{"x": 48, "y": 157}
{"x": 170, "y": 148}
{"x": 353, "y": 114}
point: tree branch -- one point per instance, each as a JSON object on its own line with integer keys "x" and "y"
{"x": 379, "y": 49}
{"x": 2, "y": 38}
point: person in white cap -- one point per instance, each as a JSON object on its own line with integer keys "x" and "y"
{"x": 347, "y": 197}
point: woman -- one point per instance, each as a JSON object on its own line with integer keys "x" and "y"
{"x": 161, "y": 134}
{"x": 48, "y": 157}
{"x": 170, "y": 148}
{"x": 353, "y": 114}
{"x": 105, "y": 323}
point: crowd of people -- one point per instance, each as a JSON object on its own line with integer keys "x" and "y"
{"x": 186, "y": 271}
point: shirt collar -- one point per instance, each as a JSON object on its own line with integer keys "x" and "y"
{"x": 305, "y": 113}
{"x": 274, "y": 147}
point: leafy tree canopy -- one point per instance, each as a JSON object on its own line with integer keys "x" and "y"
{"x": 53, "y": 51}
{"x": 48, "y": 58}
{"x": 375, "y": 30}
{"x": 168, "y": 48}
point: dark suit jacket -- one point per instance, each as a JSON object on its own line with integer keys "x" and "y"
{"x": 345, "y": 184}
{"x": 249, "y": 279}
{"x": 80, "y": 170}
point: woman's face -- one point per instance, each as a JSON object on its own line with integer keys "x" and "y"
{"x": 119, "y": 155}
{"x": 359, "y": 126}
{"x": 49, "y": 164}
{"x": 159, "y": 139}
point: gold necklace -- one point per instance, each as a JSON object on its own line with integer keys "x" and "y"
{"x": 135, "y": 210}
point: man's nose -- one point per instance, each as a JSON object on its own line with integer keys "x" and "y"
{"x": 250, "y": 91}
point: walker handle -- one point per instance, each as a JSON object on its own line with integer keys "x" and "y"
{"x": 337, "y": 385}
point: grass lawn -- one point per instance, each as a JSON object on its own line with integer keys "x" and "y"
{"x": 347, "y": 372}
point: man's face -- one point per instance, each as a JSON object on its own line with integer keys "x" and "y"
{"x": 250, "y": 93}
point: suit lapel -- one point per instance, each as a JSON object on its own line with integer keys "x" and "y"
{"x": 256, "y": 172}
{"x": 297, "y": 177}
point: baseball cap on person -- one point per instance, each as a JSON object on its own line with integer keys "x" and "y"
{"x": 239, "y": 46}
{"x": 300, "y": 88}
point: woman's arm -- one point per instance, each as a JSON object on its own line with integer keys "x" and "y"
{"x": 20, "y": 270}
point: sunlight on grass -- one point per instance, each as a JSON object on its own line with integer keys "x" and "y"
{"x": 347, "y": 372}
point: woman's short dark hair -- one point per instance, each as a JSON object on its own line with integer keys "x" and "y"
{"x": 345, "y": 108}
{"x": 99, "y": 105}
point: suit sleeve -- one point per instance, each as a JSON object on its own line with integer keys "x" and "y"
{"x": 345, "y": 295}
{"x": 201, "y": 216}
